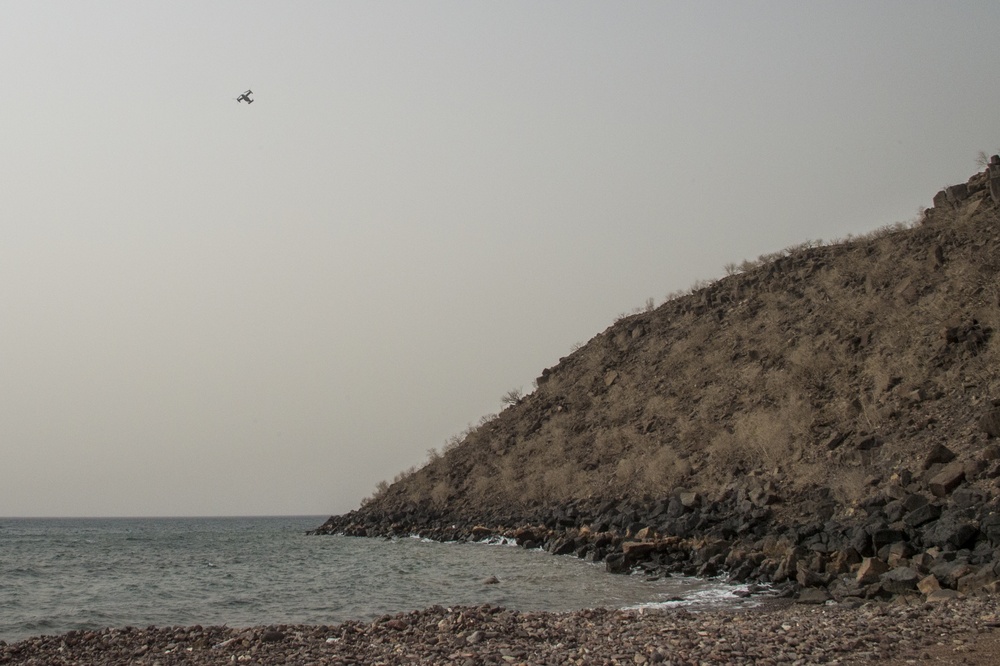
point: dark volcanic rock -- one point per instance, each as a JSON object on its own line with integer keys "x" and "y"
{"x": 939, "y": 453}
{"x": 922, "y": 515}
{"x": 900, "y": 580}
{"x": 990, "y": 422}
{"x": 952, "y": 529}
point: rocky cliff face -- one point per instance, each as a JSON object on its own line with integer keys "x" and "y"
{"x": 820, "y": 406}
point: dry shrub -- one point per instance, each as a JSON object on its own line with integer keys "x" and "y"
{"x": 628, "y": 470}
{"x": 814, "y": 363}
{"x": 698, "y": 334}
{"x": 621, "y": 405}
{"x": 694, "y": 434}
{"x": 763, "y": 439}
{"x": 662, "y": 407}
{"x": 848, "y": 485}
{"x": 663, "y": 471}
{"x": 607, "y": 445}
{"x": 484, "y": 487}
{"x": 440, "y": 493}
{"x": 560, "y": 483}
{"x": 713, "y": 399}
{"x": 510, "y": 481}
{"x": 727, "y": 455}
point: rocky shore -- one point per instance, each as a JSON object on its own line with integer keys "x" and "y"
{"x": 955, "y": 632}
{"x": 928, "y": 535}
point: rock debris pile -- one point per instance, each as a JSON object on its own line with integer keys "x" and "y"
{"x": 907, "y": 540}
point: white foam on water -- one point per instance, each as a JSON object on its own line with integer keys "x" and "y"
{"x": 704, "y": 594}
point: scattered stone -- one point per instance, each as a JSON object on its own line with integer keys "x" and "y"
{"x": 689, "y": 500}
{"x": 811, "y": 631}
{"x": 938, "y": 596}
{"x": 939, "y": 453}
{"x": 928, "y": 584}
{"x": 947, "y": 479}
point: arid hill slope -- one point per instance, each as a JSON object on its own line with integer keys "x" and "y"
{"x": 827, "y": 372}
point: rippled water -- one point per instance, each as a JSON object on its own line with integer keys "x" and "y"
{"x": 63, "y": 574}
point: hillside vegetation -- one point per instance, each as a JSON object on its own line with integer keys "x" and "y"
{"x": 833, "y": 369}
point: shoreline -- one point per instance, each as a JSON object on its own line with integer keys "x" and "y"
{"x": 776, "y": 632}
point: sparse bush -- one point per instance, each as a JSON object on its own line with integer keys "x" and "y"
{"x": 405, "y": 474}
{"x": 381, "y": 488}
{"x": 451, "y": 443}
{"x": 512, "y": 397}
{"x": 701, "y": 284}
{"x": 560, "y": 483}
{"x": 983, "y": 159}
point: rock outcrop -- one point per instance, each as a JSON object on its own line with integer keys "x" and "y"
{"x": 820, "y": 420}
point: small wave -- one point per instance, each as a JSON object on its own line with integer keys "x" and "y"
{"x": 714, "y": 595}
{"x": 38, "y": 625}
{"x": 24, "y": 571}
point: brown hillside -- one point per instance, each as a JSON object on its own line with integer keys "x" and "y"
{"x": 829, "y": 371}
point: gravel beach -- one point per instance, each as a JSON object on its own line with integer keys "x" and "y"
{"x": 777, "y": 632}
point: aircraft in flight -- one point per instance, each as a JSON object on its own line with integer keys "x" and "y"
{"x": 245, "y": 97}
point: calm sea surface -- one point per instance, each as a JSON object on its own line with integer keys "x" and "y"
{"x": 63, "y": 574}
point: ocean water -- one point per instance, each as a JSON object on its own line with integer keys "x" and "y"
{"x": 57, "y": 575}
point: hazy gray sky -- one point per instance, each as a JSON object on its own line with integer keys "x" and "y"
{"x": 214, "y": 308}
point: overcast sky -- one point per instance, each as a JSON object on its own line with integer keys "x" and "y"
{"x": 210, "y": 308}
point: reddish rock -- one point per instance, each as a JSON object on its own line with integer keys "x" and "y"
{"x": 947, "y": 479}
{"x": 871, "y": 569}
{"x": 928, "y": 584}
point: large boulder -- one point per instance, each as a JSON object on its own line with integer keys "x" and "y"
{"x": 953, "y": 529}
{"x": 922, "y": 515}
{"x": 949, "y": 573}
{"x": 900, "y": 580}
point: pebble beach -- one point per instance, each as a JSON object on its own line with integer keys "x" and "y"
{"x": 900, "y": 631}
